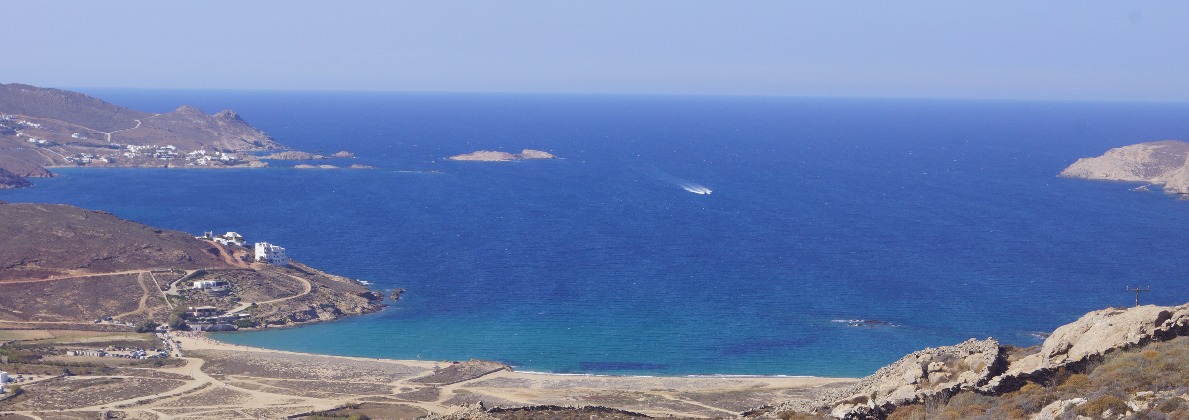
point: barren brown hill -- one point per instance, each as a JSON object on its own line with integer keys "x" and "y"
{"x": 62, "y": 264}
{"x": 188, "y": 128}
{"x": 44, "y": 240}
{"x": 68, "y": 106}
{"x": 42, "y": 127}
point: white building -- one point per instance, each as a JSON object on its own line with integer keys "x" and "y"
{"x": 4, "y": 377}
{"x": 208, "y": 284}
{"x": 230, "y": 238}
{"x": 272, "y": 254}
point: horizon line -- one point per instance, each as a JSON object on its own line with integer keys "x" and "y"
{"x": 645, "y": 94}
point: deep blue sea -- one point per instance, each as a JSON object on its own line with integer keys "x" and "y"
{"x": 944, "y": 218}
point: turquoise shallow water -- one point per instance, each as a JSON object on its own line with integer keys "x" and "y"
{"x": 943, "y": 218}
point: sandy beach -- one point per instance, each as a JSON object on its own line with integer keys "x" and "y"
{"x": 321, "y": 381}
{"x": 233, "y": 381}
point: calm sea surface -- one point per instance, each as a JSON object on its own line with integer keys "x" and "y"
{"x": 943, "y": 218}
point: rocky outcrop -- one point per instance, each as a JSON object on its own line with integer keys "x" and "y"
{"x": 981, "y": 365}
{"x": 300, "y": 155}
{"x": 293, "y": 155}
{"x": 1163, "y": 163}
{"x": 8, "y": 180}
{"x": 536, "y": 154}
{"x": 1092, "y": 336}
{"x": 928, "y": 373}
{"x": 494, "y": 156}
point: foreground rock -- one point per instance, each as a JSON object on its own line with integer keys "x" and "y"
{"x": 1163, "y": 163}
{"x": 494, "y": 156}
{"x": 1092, "y": 336}
{"x": 915, "y": 377}
{"x": 983, "y": 367}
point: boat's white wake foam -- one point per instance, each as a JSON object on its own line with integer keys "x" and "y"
{"x": 693, "y": 187}
{"x": 696, "y": 188}
{"x": 687, "y": 185}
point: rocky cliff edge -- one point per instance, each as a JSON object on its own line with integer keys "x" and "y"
{"x": 1163, "y": 163}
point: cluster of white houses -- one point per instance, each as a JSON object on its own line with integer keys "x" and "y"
{"x": 265, "y": 252}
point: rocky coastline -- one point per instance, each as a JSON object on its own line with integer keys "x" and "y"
{"x": 1163, "y": 163}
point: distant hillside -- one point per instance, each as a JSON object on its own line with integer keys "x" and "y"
{"x": 42, "y": 127}
{"x": 1164, "y": 163}
{"x": 67, "y": 106}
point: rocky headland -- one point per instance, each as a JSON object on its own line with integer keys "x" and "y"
{"x": 61, "y": 265}
{"x": 1164, "y": 163}
{"x": 495, "y": 156}
{"x": 44, "y": 128}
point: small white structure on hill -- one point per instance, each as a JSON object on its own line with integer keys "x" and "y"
{"x": 203, "y": 311}
{"x": 230, "y": 238}
{"x": 272, "y": 254}
{"x": 208, "y": 284}
{"x": 4, "y": 377}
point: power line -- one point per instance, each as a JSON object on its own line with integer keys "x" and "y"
{"x": 1137, "y": 291}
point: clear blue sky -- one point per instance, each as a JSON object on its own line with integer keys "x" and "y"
{"x": 1099, "y": 50}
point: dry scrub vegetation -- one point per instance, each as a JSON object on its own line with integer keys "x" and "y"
{"x": 1154, "y": 378}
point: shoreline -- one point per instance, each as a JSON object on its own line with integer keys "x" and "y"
{"x": 203, "y": 341}
{"x": 450, "y": 387}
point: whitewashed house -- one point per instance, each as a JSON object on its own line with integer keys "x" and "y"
{"x": 208, "y": 284}
{"x": 230, "y": 238}
{"x": 272, "y": 254}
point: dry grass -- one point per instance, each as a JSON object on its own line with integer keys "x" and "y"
{"x": 1161, "y": 368}
{"x": 298, "y": 366}
{"x": 65, "y": 393}
{"x": 78, "y": 299}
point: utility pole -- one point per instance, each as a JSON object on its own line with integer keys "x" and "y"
{"x": 1137, "y": 291}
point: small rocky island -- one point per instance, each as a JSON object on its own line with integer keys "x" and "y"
{"x": 299, "y": 155}
{"x": 494, "y": 156}
{"x": 1164, "y": 163}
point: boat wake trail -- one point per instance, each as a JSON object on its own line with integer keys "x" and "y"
{"x": 687, "y": 185}
{"x": 695, "y": 188}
